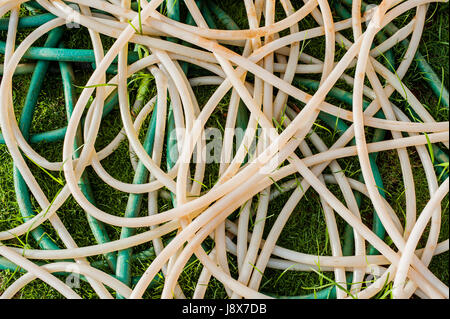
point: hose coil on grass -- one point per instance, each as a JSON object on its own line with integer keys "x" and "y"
{"x": 278, "y": 95}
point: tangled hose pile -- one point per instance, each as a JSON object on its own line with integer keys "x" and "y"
{"x": 269, "y": 145}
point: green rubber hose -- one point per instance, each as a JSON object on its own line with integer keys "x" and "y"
{"x": 436, "y": 85}
{"x": 341, "y": 127}
{"x": 48, "y": 53}
{"x": 332, "y": 122}
{"x": 433, "y": 81}
{"x": 241, "y": 122}
{"x": 22, "y": 192}
{"x": 96, "y": 226}
{"x": 28, "y": 22}
{"x": 58, "y": 134}
{"x": 134, "y": 200}
{"x": 64, "y": 55}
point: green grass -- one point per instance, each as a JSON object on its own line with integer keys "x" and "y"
{"x": 305, "y": 230}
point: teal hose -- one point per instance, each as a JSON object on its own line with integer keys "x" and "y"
{"x": 23, "y": 196}
{"x": 242, "y": 114}
{"x": 433, "y": 81}
{"x": 22, "y": 192}
{"x": 207, "y": 14}
{"x": 5, "y": 264}
{"x": 173, "y": 12}
{"x": 124, "y": 258}
{"x": 28, "y": 22}
{"x": 173, "y": 9}
{"x": 144, "y": 255}
{"x": 132, "y": 210}
{"x": 380, "y": 36}
{"x": 171, "y": 141}
{"x": 326, "y": 293}
{"x": 64, "y": 55}
{"x": 134, "y": 201}
{"x": 20, "y": 69}
{"x": 141, "y": 174}
{"x": 224, "y": 18}
{"x": 341, "y": 127}
{"x": 332, "y": 122}
{"x": 97, "y": 227}
{"x": 133, "y": 207}
{"x": 241, "y": 122}
{"x": 58, "y": 134}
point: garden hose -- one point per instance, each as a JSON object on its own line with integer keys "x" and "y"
{"x": 22, "y": 193}
{"x": 85, "y": 56}
{"x": 28, "y": 22}
{"x": 428, "y": 73}
{"x": 434, "y": 82}
{"x": 341, "y": 127}
{"x": 97, "y": 227}
{"x": 134, "y": 200}
{"x": 63, "y": 54}
{"x": 199, "y": 213}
